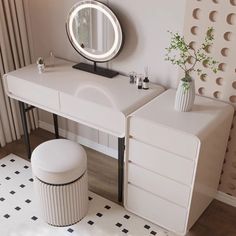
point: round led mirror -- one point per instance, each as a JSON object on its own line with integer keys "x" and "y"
{"x": 94, "y": 31}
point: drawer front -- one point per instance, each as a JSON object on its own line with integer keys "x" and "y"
{"x": 155, "y": 209}
{"x": 33, "y": 93}
{"x": 174, "y": 141}
{"x": 160, "y": 161}
{"x": 159, "y": 185}
{"x": 106, "y": 119}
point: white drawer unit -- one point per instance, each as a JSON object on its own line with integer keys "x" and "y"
{"x": 174, "y": 159}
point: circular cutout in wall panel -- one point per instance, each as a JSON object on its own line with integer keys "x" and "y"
{"x": 217, "y": 94}
{"x": 215, "y": 1}
{"x": 234, "y": 84}
{"x": 225, "y": 52}
{"x": 213, "y": 15}
{"x": 231, "y": 19}
{"x": 205, "y": 63}
{"x": 208, "y": 48}
{"x": 201, "y": 91}
{"x": 203, "y": 77}
{"x": 194, "y": 30}
{"x": 232, "y": 99}
{"x": 190, "y": 60}
{"x": 220, "y": 81}
{"x": 233, "y": 2}
{"x": 196, "y": 13}
{"x": 222, "y": 67}
{"x": 193, "y": 45}
{"x": 228, "y": 36}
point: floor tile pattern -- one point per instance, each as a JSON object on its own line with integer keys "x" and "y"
{"x": 20, "y": 216}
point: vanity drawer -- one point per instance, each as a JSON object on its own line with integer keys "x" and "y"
{"x": 93, "y": 114}
{"x": 155, "y": 209}
{"x": 159, "y": 185}
{"x": 33, "y": 93}
{"x": 164, "y": 137}
{"x": 160, "y": 161}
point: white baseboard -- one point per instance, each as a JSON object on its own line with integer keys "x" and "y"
{"x": 226, "y": 198}
{"x": 83, "y": 141}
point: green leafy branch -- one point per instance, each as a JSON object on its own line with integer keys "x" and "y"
{"x": 188, "y": 58}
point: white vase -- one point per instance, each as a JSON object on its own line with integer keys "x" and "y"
{"x": 184, "y": 98}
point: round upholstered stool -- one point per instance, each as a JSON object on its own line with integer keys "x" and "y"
{"x": 60, "y": 178}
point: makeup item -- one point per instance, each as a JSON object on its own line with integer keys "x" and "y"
{"x": 132, "y": 77}
{"x": 51, "y": 59}
{"x": 146, "y": 80}
{"x": 146, "y": 83}
{"x": 139, "y": 81}
{"x": 40, "y": 65}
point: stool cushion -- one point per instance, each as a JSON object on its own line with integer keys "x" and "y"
{"x": 59, "y": 161}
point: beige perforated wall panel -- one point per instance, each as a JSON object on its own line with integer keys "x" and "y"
{"x": 221, "y": 15}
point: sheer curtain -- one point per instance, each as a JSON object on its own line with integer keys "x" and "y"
{"x": 14, "y": 53}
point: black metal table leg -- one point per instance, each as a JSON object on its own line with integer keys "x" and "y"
{"x": 55, "y": 120}
{"x": 25, "y": 128}
{"x": 121, "y": 149}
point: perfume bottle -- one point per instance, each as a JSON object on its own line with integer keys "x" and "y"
{"x": 139, "y": 81}
{"x": 40, "y": 65}
{"x": 51, "y": 59}
{"x": 146, "y": 80}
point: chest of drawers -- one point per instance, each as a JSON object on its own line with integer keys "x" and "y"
{"x": 174, "y": 160}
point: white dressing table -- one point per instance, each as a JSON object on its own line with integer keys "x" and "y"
{"x": 89, "y": 99}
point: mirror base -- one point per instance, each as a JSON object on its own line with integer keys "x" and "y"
{"x": 96, "y": 70}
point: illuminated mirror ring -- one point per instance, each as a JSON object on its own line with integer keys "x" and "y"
{"x": 114, "y": 49}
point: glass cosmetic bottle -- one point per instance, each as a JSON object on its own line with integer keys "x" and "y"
{"x": 146, "y": 80}
{"x": 139, "y": 81}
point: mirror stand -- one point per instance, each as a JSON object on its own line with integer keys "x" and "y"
{"x": 96, "y": 70}
{"x": 95, "y": 33}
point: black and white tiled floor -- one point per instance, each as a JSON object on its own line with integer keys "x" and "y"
{"x": 19, "y": 215}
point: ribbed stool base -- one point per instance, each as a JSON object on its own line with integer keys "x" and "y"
{"x": 63, "y": 205}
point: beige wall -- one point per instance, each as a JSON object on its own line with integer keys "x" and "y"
{"x": 145, "y": 25}
{"x": 222, "y": 85}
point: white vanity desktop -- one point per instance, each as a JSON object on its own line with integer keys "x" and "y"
{"x": 173, "y": 160}
{"x": 89, "y": 99}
